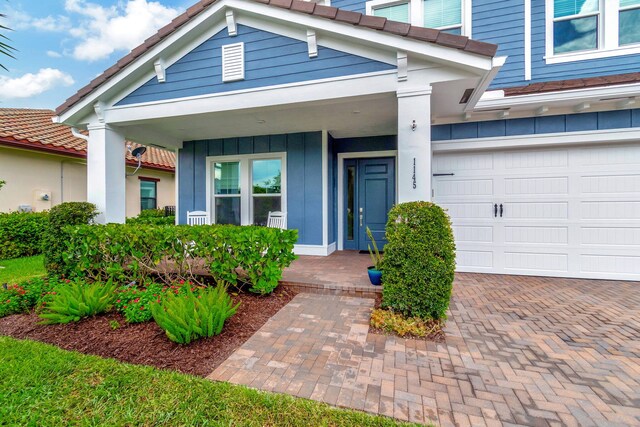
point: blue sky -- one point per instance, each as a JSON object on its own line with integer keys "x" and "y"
{"x": 63, "y": 44}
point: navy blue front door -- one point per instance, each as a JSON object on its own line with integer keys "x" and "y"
{"x": 370, "y": 192}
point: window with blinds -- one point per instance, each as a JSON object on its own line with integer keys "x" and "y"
{"x": 395, "y": 12}
{"x": 445, "y": 15}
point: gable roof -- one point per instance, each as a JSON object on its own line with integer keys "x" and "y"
{"x": 34, "y": 129}
{"x": 428, "y": 35}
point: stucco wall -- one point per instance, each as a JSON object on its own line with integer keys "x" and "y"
{"x": 165, "y": 187}
{"x": 29, "y": 174}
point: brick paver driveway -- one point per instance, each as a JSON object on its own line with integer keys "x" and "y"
{"x": 528, "y": 351}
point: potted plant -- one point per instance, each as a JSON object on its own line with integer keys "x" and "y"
{"x": 375, "y": 271}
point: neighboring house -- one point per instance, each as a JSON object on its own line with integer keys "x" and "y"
{"x": 44, "y": 164}
{"x": 525, "y": 132}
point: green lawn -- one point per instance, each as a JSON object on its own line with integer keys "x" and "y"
{"x": 45, "y": 386}
{"x": 19, "y": 269}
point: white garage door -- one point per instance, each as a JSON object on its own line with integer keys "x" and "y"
{"x": 571, "y": 212}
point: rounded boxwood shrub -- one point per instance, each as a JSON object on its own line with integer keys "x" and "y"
{"x": 419, "y": 260}
{"x": 21, "y": 233}
{"x": 56, "y": 237}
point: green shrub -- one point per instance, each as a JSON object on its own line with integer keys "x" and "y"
{"x": 152, "y": 220}
{"x": 76, "y": 300}
{"x": 419, "y": 261}
{"x": 22, "y": 297}
{"x": 56, "y": 236}
{"x": 251, "y": 254}
{"x": 135, "y": 303}
{"x": 193, "y": 316}
{"x": 21, "y": 234}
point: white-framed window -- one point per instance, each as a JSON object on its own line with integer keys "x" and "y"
{"x": 243, "y": 189}
{"x": 591, "y": 29}
{"x": 452, "y": 16}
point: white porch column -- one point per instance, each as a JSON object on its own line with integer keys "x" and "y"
{"x": 414, "y": 144}
{"x": 106, "y": 169}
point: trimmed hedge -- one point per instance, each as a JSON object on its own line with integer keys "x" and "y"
{"x": 419, "y": 261}
{"x": 21, "y": 234}
{"x": 55, "y": 240}
{"x": 251, "y": 254}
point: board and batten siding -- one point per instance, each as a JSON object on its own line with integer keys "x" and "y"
{"x": 304, "y": 176}
{"x": 270, "y": 59}
{"x": 619, "y": 119}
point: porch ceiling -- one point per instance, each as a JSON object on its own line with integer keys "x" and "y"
{"x": 369, "y": 115}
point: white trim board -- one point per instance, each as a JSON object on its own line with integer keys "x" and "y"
{"x": 539, "y": 140}
{"x": 308, "y": 91}
{"x": 314, "y": 250}
{"x": 356, "y": 155}
{"x": 489, "y": 102}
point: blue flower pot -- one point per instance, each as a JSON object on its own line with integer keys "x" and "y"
{"x": 375, "y": 276}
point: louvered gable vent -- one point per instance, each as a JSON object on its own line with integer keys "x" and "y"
{"x": 233, "y": 62}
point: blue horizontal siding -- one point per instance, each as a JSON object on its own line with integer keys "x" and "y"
{"x": 304, "y": 176}
{"x": 618, "y": 119}
{"x": 542, "y": 72}
{"x": 270, "y": 59}
{"x": 502, "y": 22}
{"x": 352, "y": 5}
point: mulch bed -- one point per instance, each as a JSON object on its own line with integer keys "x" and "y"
{"x": 147, "y": 344}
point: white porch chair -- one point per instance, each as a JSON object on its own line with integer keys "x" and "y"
{"x": 198, "y": 218}
{"x": 277, "y": 219}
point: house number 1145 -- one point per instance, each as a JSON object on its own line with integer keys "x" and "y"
{"x": 414, "y": 173}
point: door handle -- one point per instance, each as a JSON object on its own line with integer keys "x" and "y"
{"x": 360, "y": 210}
{"x": 501, "y": 210}
{"x": 495, "y": 210}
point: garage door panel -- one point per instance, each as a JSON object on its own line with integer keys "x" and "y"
{"x": 462, "y": 163}
{"x": 468, "y": 210}
{"x": 464, "y": 187}
{"x": 536, "y": 159}
{"x": 610, "y": 264}
{"x": 610, "y": 210}
{"x": 610, "y": 236}
{"x": 536, "y": 261}
{"x": 536, "y": 210}
{"x": 536, "y": 186}
{"x": 539, "y": 235}
{"x": 467, "y": 260}
{"x": 609, "y": 156}
{"x": 473, "y": 234}
{"x": 608, "y": 184}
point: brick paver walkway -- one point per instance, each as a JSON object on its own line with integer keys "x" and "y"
{"x": 527, "y": 351}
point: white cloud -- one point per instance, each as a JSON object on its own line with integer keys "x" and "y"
{"x": 23, "y": 21}
{"x": 33, "y": 84}
{"x": 54, "y": 54}
{"x": 102, "y": 31}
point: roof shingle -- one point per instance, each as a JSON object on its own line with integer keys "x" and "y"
{"x": 311, "y": 8}
{"x": 583, "y": 83}
{"x": 27, "y": 128}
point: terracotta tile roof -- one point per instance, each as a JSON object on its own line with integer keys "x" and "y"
{"x": 357, "y": 19}
{"x": 561, "y": 85}
{"x": 33, "y": 129}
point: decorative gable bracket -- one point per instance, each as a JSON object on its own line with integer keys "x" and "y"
{"x": 160, "y": 70}
{"x": 232, "y": 28}
{"x": 403, "y": 66}
{"x": 312, "y": 43}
